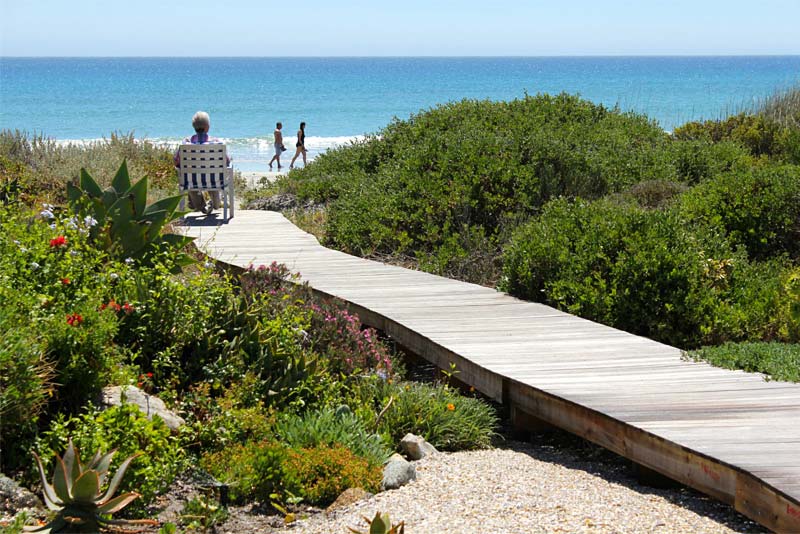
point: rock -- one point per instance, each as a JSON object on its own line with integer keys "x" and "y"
{"x": 148, "y": 404}
{"x": 397, "y": 472}
{"x": 416, "y": 448}
{"x": 279, "y": 202}
{"x": 14, "y": 497}
{"x": 348, "y": 497}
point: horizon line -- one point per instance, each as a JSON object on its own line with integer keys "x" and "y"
{"x": 513, "y": 56}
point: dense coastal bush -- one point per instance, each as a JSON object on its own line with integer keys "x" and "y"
{"x": 759, "y": 209}
{"x": 447, "y": 186}
{"x": 646, "y": 272}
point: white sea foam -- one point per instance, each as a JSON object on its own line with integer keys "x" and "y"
{"x": 248, "y": 153}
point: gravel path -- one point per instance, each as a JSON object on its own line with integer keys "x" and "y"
{"x": 525, "y": 489}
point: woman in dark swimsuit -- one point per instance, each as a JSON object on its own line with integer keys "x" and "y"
{"x": 301, "y": 145}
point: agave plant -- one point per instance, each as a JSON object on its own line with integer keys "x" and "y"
{"x": 75, "y": 493}
{"x": 381, "y": 524}
{"x": 124, "y": 224}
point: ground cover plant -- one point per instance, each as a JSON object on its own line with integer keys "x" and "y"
{"x": 92, "y": 296}
{"x": 688, "y": 237}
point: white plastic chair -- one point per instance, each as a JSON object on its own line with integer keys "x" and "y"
{"x": 205, "y": 168}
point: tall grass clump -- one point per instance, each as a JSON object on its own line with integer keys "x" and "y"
{"x": 45, "y": 165}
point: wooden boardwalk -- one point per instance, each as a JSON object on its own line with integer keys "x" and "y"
{"x": 729, "y": 434}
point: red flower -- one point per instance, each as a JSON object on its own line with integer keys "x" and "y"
{"x": 127, "y": 308}
{"x": 111, "y": 305}
{"x": 59, "y": 241}
{"x": 74, "y": 319}
{"x": 149, "y": 375}
{"x": 65, "y": 281}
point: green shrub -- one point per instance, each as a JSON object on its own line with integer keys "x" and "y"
{"x": 254, "y": 470}
{"x": 649, "y": 273}
{"x": 128, "y": 430}
{"x": 320, "y": 474}
{"x": 447, "y": 178}
{"x": 345, "y": 344}
{"x": 759, "y": 208}
{"x": 779, "y": 361}
{"x": 26, "y": 383}
{"x": 329, "y": 427}
{"x": 437, "y": 412}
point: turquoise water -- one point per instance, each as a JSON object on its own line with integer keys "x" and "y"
{"x": 339, "y": 98}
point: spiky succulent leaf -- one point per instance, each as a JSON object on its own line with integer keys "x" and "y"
{"x": 112, "y": 487}
{"x": 122, "y": 182}
{"x": 74, "y": 194}
{"x": 380, "y": 524}
{"x": 89, "y": 185}
{"x": 169, "y": 204}
{"x": 61, "y": 481}
{"x": 50, "y": 497}
{"x": 138, "y": 195}
{"x": 102, "y": 465}
{"x": 109, "y": 198}
{"x": 72, "y": 462}
{"x": 117, "y": 503}
{"x": 87, "y": 488}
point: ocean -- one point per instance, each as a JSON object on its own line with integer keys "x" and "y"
{"x": 84, "y": 99}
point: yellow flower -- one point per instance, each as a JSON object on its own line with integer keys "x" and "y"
{"x": 451, "y": 407}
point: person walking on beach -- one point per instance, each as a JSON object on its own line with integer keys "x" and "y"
{"x": 278, "y": 146}
{"x": 301, "y": 145}
{"x": 201, "y": 123}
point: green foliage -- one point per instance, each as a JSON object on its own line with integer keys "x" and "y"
{"x": 130, "y": 432}
{"x": 759, "y": 132}
{"x": 346, "y": 346}
{"x": 254, "y": 470}
{"x": 779, "y": 361}
{"x": 320, "y": 474}
{"x": 647, "y": 272}
{"x": 125, "y": 225}
{"x": 45, "y": 166}
{"x": 26, "y": 382}
{"x": 202, "y": 513}
{"x": 437, "y": 412}
{"x": 75, "y": 493}
{"x": 328, "y": 427}
{"x": 759, "y": 209}
{"x": 381, "y": 524}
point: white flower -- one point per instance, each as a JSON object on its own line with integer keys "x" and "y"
{"x": 129, "y": 261}
{"x": 71, "y": 224}
{"x": 47, "y": 214}
{"x": 23, "y": 249}
{"x": 16, "y": 242}
{"x": 73, "y": 252}
{"x": 52, "y": 226}
{"x": 34, "y": 265}
{"x": 47, "y": 206}
{"x": 89, "y": 221}
{"x": 208, "y": 265}
{"x": 113, "y": 276}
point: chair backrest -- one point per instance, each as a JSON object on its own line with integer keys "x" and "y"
{"x": 203, "y": 166}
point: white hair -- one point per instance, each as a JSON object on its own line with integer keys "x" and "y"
{"x": 201, "y": 121}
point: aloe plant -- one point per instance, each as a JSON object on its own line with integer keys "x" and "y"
{"x": 123, "y": 223}
{"x": 75, "y": 493}
{"x": 381, "y": 524}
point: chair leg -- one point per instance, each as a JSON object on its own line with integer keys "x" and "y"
{"x": 233, "y": 203}
{"x": 224, "y": 207}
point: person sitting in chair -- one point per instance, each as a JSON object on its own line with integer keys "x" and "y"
{"x": 201, "y": 123}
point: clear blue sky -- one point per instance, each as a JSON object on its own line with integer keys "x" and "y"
{"x": 402, "y": 28}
